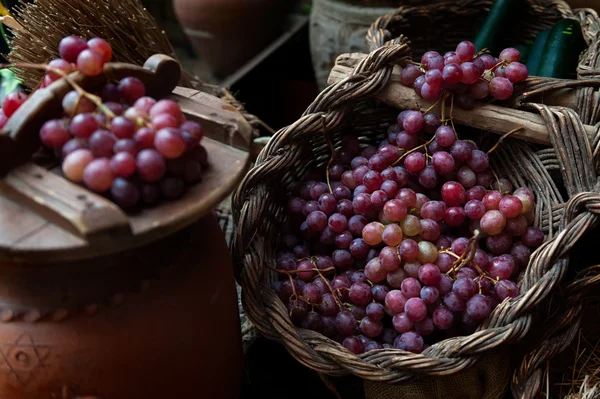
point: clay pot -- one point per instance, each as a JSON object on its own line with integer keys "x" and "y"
{"x": 155, "y": 322}
{"x": 226, "y": 33}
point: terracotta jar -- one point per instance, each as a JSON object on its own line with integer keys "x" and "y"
{"x": 159, "y": 321}
{"x": 226, "y": 33}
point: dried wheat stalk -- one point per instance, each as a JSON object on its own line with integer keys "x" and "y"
{"x": 125, "y": 24}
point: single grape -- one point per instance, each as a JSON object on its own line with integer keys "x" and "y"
{"x": 75, "y": 163}
{"x": 98, "y": 176}
{"x": 491, "y": 200}
{"x": 461, "y": 151}
{"x": 432, "y": 122}
{"x": 123, "y": 164}
{"x": 425, "y": 326}
{"x": 465, "y": 51}
{"x": 492, "y": 222}
{"x": 132, "y": 89}
{"x": 455, "y": 216}
{"x": 505, "y": 289}
{"x": 442, "y": 162}
{"x": 395, "y": 301}
{"x": 430, "y": 229}
{"x": 412, "y": 268}
{"x": 372, "y": 180}
{"x": 161, "y": 121}
{"x": 413, "y": 122}
{"x": 533, "y": 237}
{"x": 415, "y": 309}
{"x": 428, "y": 177}
{"x": 464, "y": 288}
{"x": 54, "y": 133}
{"x": 479, "y": 161}
{"x": 442, "y": 318}
{"x": 475, "y": 193}
{"x": 354, "y": 345}
{"x": 144, "y": 137}
{"x": 402, "y": 323}
{"x": 409, "y": 74}
{"x": 70, "y": 47}
{"x": 375, "y": 271}
{"x": 372, "y": 233}
{"x": 499, "y": 244}
{"x": 90, "y": 63}
{"x": 429, "y": 274}
{"x": 429, "y": 295}
{"x": 430, "y": 92}
{"x": 453, "y": 193}
{"x": 501, "y": 88}
{"x": 379, "y": 292}
{"x": 101, "y": 47}
{"x": 470, "y": 73}
{"x": 478, "y": 307}
{"x": 71, "y": 99}
{"x": 474, "y": 209}
{"x": 396, "y": 277}
{"x": 409, "y": 250}
{"x": 452, "y": 73}
{"x": 150, "y": 164}
{"x": 371, "y": 328}
{"x": 124, "y": 193}
{"x": 406, "y": 141}
{"x": 411, "y": 288}
{"x": 510, "y": 55}
{"x": 378, "y": 199}
{"x": 60, "y": 65}
{"x": 501, "y": 267}
{"x": 392, "y": 235}
{"x": 454, "y": 303}
{"x": 510, "y": 206}
{"x": 345, "y": 323}
{"x": 169, "y": 142}
{"x": 479, "y": 90}
{"x": 167, "y": 107}
{"x": 411, "y": 226}
{"x": 445, "y": 136}
{"x": 521, "y": 253}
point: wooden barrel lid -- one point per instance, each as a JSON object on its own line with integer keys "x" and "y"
{"x": 46, "y": 218}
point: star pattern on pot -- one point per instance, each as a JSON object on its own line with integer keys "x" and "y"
{"x": 22, "y": 358}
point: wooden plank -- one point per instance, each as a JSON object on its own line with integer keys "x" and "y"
{"x": 489, "y": 117}
{"x": 65, "y": 204}
{"x": 221, "y": 121}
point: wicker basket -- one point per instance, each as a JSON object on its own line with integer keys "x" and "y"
{"x": 346, "y": 108}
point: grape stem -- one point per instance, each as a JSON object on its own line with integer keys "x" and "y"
{"x": 501, "y": 139}
{"x": 413, "y": 150}
{"x": 466, "y": 257}
{"x": 95, "y": 99}
{"x": 430, "y": 108}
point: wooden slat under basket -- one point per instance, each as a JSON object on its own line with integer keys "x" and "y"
{"x": 349, "y": 105}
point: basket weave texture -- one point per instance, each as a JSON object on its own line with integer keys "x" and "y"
{"x": 565, "y": 208}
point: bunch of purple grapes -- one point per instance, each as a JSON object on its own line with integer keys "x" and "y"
{"x": 408, "y": 245}
{"x": 471, "y": 77}
{"x": 131, "y": 146}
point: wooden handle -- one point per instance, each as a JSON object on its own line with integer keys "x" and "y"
{"x": 65, "y": 204}
{"x": 488, "y": 117}
{"x": 19, "y": 139}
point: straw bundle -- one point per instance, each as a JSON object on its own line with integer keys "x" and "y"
{"x": 125, "y": 24}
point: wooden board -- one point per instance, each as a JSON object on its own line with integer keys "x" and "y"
{"x": 35, "y": 237}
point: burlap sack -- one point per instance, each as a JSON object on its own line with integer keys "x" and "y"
{"x": 487, "y": 379}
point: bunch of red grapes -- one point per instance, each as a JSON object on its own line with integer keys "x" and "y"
{"x": 471, "y": 77}
{"x": 125, "y": 144}
{"x": 407, "y": 244}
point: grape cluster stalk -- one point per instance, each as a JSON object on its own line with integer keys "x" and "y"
{"x": 465, "y": 75}
{"x": 119, "y": 142}
{"x": 404, "y": 244}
